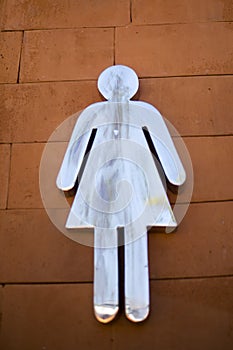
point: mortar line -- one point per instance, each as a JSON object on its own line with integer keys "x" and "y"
{"x": 207, "y": 201}
{"x": 183, "y": 136}
{"x": 130, "y": 11}
{"x": 140, "y": 78}
{"x": 9, "y": 176}
{"x": 175, "y": 278}
{"x": 20, "y": 57}
{"x": 114, "y": 46}
{"x": 112, "y": 26}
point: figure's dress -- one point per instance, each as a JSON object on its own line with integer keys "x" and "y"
{"x": 120, "y": 184}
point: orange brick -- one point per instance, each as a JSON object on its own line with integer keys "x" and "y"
{"x": 202, "y": 308}
{"x": 31, "y": 112}
{"x": 185, "y": 314}
{"x": 33, "y": 250}
{"x": 194, "y": 105}
{"x": 176, "y": 50}
{"x": 66, "y": 54}
{"x": 52, "y": 317}
{"x": 180, "y": 11}
{"x": 4, "y": 173}
{"x": 71, "y": 14}
{"x": 27, "y": 179}
{"x": 211, "y": 158}
{"x": 212, "y": 165}
{"x": 24, "y": 176}
{"x": 10, "y": 44}
{"x": 201, "y": 246}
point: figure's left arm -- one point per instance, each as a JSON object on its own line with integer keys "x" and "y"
{"x": 163, "y": 144}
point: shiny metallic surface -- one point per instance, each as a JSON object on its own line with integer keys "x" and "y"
{"x": 105, "y": 276}
{"x": 136, "y": 279}
{"x": 120, "y": 187}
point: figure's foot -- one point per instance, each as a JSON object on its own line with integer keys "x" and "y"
{"x": 136, "y": 276}
{"x": 136, "y": 314}
{"x": 105, "y": 313}
{"x": 105, "y": 274}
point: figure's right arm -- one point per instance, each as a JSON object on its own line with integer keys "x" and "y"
{"x": 76, "y": 149}
{"x": 163, "y": 144}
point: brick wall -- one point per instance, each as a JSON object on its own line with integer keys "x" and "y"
{"x": 51, "y": 53}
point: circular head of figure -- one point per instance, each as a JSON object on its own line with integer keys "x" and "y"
{"x": 117, "y": 83}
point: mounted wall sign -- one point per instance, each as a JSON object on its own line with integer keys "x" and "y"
{"x": 120, "y": 186}
{"x": 122, "y": 157}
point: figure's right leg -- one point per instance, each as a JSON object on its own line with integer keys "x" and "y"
{"x": 106, "y": 274}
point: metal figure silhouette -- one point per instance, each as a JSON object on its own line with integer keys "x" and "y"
{"x": 120, "y": 187}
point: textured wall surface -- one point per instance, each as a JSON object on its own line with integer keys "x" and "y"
{"x": 51, "y": 53}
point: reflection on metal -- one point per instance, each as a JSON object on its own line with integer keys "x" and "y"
{"x": 120, "y": 187}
